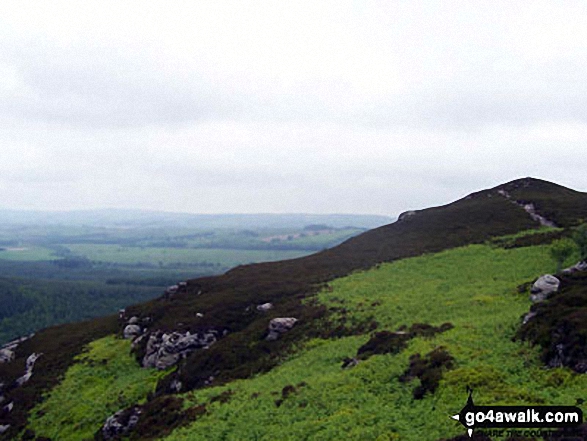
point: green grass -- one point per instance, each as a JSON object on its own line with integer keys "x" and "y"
{"x": 27, "y": 253}
{"x": 103, "y": 380}
{"x": 473, "y": 287}
{"x": 135, "y": 255}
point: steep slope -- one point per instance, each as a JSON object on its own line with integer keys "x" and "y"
{"x": 228, "y": 302}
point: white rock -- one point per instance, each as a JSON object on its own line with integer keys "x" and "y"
{"x": 265, "y": 307}
{"x": 544, "y": 287}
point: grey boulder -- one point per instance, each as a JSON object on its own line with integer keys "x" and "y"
{"x": 544, "y": 287}
{"x": 279, "y": 326}
{"x": 132, "y": 331}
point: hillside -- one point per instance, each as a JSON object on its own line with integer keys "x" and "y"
{"x": 434, "y": 266}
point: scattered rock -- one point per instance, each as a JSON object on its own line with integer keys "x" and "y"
{"x": 279, "y": 326}
{"x": 121, "y": 423}
{"x": 528, "y": 317}
{"x": 199, "y": 315}
{"x": 7, "y": 349}
{"x": 6, "y": 355}
{"x": 9, "y": 407}
{"x": 349, "y": 362}
{"x": 170, "y": 290}
{"x": 265, "y": 307}
{"x": 164, "y": 350}
{"x": 134, "y": 320}
{"x": 175, "y": 385}
{"x": 22, "y": 380}
{"x": 132, "y": 331}
{"x": 4, "y": 428}
{"x": 579, "y": 266}
{"x": 28, "y": 373}
{"x": 544, "y": 287}
{"x": 31, "y": 360}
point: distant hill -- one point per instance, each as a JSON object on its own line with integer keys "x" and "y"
{"x": 335, "y": 305}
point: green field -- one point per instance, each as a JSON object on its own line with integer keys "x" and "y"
{"x": 309, "y": 396}
{"x": 57, "y": 273}
{"x": 226, "y": 258}
{"x": 27, "y": 253}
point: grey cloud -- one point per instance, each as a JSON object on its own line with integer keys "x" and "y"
{"x": 97, "y": 89}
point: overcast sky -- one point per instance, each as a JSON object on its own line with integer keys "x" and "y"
{"x": 287, "y": 106}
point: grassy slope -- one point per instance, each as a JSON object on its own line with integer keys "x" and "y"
{"x": 473, "y": 287}
{"x": 103, "y": 380}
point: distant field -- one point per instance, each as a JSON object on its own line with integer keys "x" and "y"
{"x": 27, "y": 254}
{"x": 169, "y": 256}
{"x": 78, "y": 266}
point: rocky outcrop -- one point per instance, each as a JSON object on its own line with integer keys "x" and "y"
{"x": 121, "y": 423}
{"x": 166, "y": 349}
{"x": 7, "y": 353}
{"x": 279, "y": 326}
{"x": 530, "y": 209}
{"x": 544, "y": 287}
{"x": 28, "y": 373}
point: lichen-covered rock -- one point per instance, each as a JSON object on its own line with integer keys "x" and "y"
{"x": 166, "y": 349}
{"x": 279, "y": 326}
{"x": 544, "y": 287}
{"x": 132, "y": 331}
{"x": 121, "y": 423}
